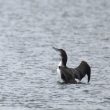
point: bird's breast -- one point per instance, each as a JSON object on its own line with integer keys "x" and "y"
{"x": 59, "y": 74}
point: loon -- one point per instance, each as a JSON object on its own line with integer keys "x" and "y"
{"x": 72, "y": 75}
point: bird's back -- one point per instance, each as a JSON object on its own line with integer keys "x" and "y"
{"x": 67, "y": 74}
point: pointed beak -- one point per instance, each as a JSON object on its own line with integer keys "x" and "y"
{"x": 56, "y": 49}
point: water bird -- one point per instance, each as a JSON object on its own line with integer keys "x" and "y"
{"x": 72, "y": 75}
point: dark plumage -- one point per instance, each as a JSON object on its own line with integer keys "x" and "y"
{"x": 69, "y": 75}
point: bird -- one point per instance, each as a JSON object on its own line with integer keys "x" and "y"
{"x": 72, "y": 75}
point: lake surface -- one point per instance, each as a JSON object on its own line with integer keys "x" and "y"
{"x": 28, "y": 31}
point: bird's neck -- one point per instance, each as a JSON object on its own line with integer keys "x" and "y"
{"x": 62, "y": 63}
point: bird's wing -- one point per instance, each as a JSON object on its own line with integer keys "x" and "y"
{"x": 77, "y": 73}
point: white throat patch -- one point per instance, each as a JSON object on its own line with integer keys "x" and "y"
{"x": 59, "y": 72}
{"x": 60, "y": 64}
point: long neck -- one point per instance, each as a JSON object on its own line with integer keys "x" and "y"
{"x": 64, "y": 58}
{"x": 64, "y": 61}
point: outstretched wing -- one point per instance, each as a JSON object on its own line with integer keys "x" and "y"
{"x": 77, "y": 73}
{"x": 82, "y": 70}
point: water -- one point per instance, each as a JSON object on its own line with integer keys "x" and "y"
{"x": 29, "y": 29}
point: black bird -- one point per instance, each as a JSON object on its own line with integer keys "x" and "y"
{"x": 69, "y": 75}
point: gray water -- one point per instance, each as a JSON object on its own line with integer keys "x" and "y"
{"x": 29, "y": 29}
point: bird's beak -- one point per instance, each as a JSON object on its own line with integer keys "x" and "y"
{"x": 56, "y": 49}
